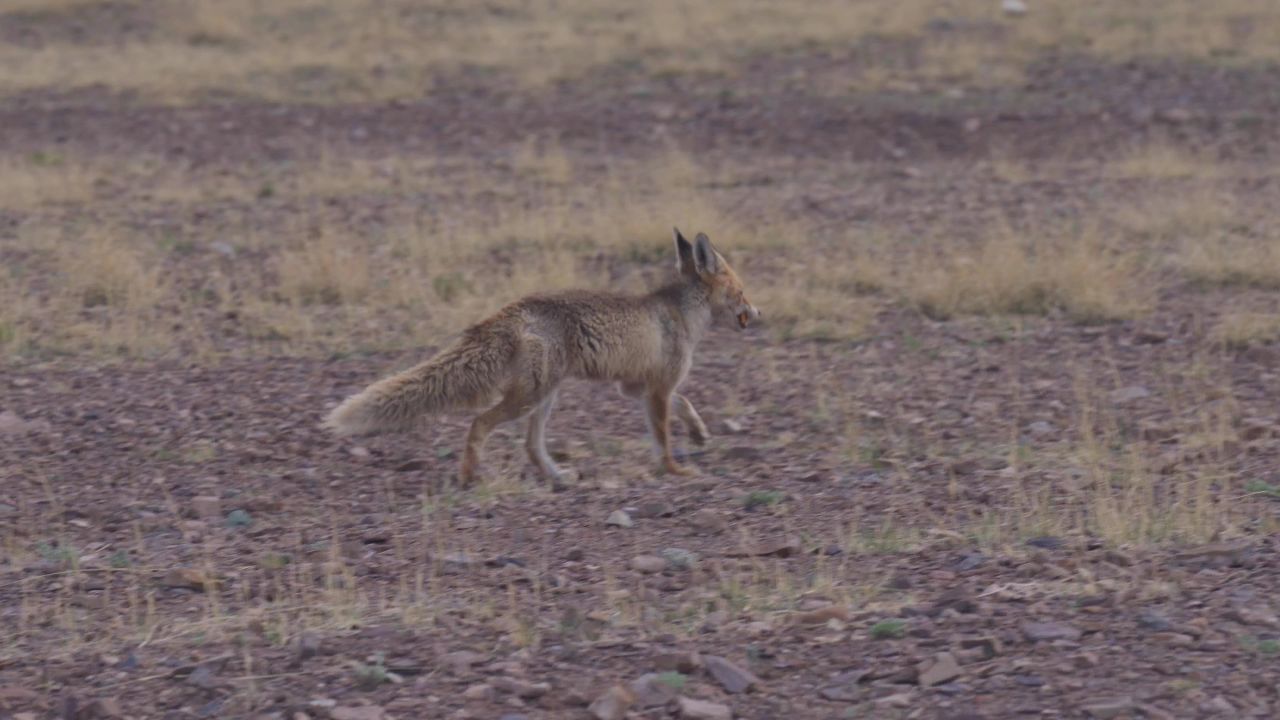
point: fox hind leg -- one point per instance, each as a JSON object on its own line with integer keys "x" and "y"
{"x": 513, "y": 405}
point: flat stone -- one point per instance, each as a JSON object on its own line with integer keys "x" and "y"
{"x": 1048, "y": 631}
{"x": 613, "y": 704}
{"x": 619, "y": 518}
{"x": 703, "y": 710}
{"x": 731, "y": 677}
{"x": 1108, "y": 708}
{"x": 648, "y": 564}
{"x": 942, "y": 668}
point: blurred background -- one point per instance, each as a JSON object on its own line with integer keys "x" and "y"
{"x": 302, "y": 176}
{"x": 1005, "y": 445}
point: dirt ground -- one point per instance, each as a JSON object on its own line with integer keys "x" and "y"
{"x": 910, "y": 514}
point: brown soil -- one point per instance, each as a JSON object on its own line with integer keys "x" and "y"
{"x": 347, "y": 553}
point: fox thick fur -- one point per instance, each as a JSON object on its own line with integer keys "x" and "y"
{"x": 514, "y": 362}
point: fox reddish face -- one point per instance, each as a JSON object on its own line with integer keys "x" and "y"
{"x": 700, "y": 261}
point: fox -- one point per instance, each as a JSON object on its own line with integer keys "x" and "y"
{"x": 511, "y": 364}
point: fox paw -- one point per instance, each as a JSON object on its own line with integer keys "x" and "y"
{"x": 673, "y": 468}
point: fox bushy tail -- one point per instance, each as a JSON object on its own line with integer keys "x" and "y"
{"x": 465, "y": 375}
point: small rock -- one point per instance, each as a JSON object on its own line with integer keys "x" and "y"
{"x": 731, "y": 677}
{"x": 203, "y": 677}
{"x": 102, "y": 709}
{"x": 988, "y": 646}
{"x": 1047, "y": 631}
{"x": 362, "y": 712}
{"x": 744, "y": 452}
{"x": 1153, "y": 620}
{"x": 1046, "y": 542}
{"x": 1013, "y": 7}
{"x": 650, "y": 691}
{"x": 613, "y": 704}
{"x": 898, "y": 700}
{"x": 1129, "y": 394}
{"x": 185, "y": 578}
{"x": 308, "y": 645}
{"x": 1041, "y": 429}
{"x": 942, "y": 668}
{"x": 823, "y": 615}
{"x": 1108, "y": 708}
{"x": 1219, "y": 706}
{"x": 206, "y": 507}
{"x": 11, "y": 424}
{"x": 224, "y": 249}
{"x": 481, "y": 691}
{"x": 619, "y": 518}
{"x": 648, "y": 564}
{"x": 654, "y": 509}
{"x": 460, "y": 559}
{"x": 708, "y": 520}
{"x": 733, "y": 427}
{"x": 677, "y": 661}
{"x": 1085, "y": 660}
{"x": 520, "y": 688}
{"x": 704, "y": 710}
{"x": 462, "y": 660}
{"x": 957, "y": 599}
{"x": 784, "y": 547}
{"x": 845, "y": 687}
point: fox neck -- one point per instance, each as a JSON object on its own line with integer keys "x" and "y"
{"x": 693, "y": 301}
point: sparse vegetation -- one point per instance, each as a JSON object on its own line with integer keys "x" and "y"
{"x": 1018, "y": 273}
{"x": 1076, "y": 274}
{"x": 761, "y": 498}
{"x": 888, "y": 629}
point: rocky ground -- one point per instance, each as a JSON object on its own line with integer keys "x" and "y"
{"x": 937, "y": 520}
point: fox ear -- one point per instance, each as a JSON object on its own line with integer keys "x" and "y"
{"x": 684, "y": 254}
{"x": 705, "y": 258}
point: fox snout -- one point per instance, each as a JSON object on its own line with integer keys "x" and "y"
{"x": 747, "y": 315}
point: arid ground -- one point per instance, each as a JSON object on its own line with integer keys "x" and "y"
{"x": 1007, "y": 444}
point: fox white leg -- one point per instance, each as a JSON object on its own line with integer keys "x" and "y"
{"x": 689, "y": 416}
{"x": 536, "y": 440}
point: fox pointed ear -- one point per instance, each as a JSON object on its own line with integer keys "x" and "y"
{"x": 684, "y": 254}
{"x": 705, "y": 258}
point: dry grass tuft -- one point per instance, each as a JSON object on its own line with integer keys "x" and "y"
{"x": 325, "y": 270}
{"x": 1075, "y": 274}
{"x": 44, "y": 178}
{"x": 369, "y": 50}
{"x": 1161, "y": 161}
{"x": 1232, "y": 261}
{"x": 1239, "y": 331}
{"x": 1198, "y": 215}
{"x": 112, "y": 296}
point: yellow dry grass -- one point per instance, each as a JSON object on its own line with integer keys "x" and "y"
{"x": 1241, "y": 330}
{"x": 1075, "y": 273}
{"x": 368, "y": 50}
{"x": 321, "y": 280}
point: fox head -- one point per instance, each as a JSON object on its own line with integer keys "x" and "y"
{"x": 698, "y": 261}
